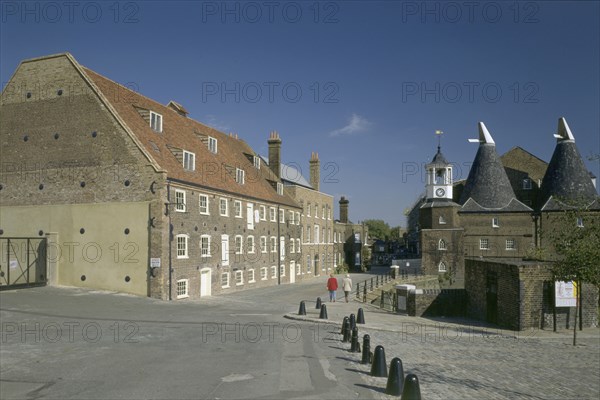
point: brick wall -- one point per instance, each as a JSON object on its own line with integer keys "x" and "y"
{"x": 436, "y": 302}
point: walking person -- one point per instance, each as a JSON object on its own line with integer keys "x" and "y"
{"x": 332, "y": 286}
{"x": 347, "y": 285}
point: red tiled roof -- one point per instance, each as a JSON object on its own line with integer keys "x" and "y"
{"x": 181, "y": 132}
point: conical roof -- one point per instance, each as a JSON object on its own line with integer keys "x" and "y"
{"x": 439, "y": 158}
{"x": 487, "y": 184}
{"x": 567, "y": 178}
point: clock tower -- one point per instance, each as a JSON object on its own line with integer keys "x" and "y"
{"x": 439, "y": 178}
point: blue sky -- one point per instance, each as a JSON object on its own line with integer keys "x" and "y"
{"x": 363, "y": 83}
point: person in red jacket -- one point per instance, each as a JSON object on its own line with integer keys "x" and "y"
{"x": 332, "y": 285}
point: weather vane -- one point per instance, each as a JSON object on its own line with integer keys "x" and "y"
{"x": 439, "y": 134}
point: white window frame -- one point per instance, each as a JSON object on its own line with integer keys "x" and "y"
{"x": 579, "y": 222}
{"x": 495, "y": 222}
{"x": 263, "y": 244}
{"x": 442, "y": 267}
{"x": 182, "y": 252}
{"x": 441, "y": 220}
{"x": 239, "y": 277}
{"x": 250, "y": 216}
{"x": 308, "y": 210}
{"x": 189, "y": 161}
{"x": 291, "y": 217}
{"x": 273, "y": 272}
{"x": 264, "y": 273}
{"x": 282, "y": 270}
{"x": 511, "y": 244}
{"x": 308, "y": 231}
{"x": 156, "y": 122}
{"x": 251, "y": 278}
{"x": 323, "y": 213}
{"x": 272, "y": 214}
{"x": 224, "y": 250}
{"x": 240, "y": 176}
{"x": 225, "y": 275}
{"x": 250, "y": 245}
{"x": 298, "y": 246}
{"x": 256, "y": 162}
{"x": 442, "y": 245}
{"x": 281, "y": 216}
{"x": 317, "y": 230}
{"x": 263, "y": 213}
{"x": 273, "y": 243}
{"x": 204, "y": 210}
{"x": 182, "y": 288}
{"x": 484, "y": 244}
{"x": 205, "y": 250}
{"x": 239, "y": 244}
{"x": 282, "y": 247}
{"x": 527, "y": 184}
{"x": 292, "y": 246}
{"x": 328, "y": 214}
{"x": 280, "y": 188}
{"x": 237, "y": 205}
{"x": 223, "y": 212}
{"x": 180, "y": 205}
{"x": 212, "y": 145}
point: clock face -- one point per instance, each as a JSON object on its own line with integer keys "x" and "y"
{"x": 440, "y": 192}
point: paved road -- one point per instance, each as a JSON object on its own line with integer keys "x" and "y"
{"x": 60, "y": 343}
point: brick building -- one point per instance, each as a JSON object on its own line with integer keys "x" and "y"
{"x": 350, "y": 239}
{"x": 133, "y": 195}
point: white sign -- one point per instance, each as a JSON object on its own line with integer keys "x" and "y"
{"x": 565, "y": 294}
{"x": 155, "y": 263}
{"x": 14, "y": 264}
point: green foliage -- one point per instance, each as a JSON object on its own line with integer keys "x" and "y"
{"x": 366, "y": 258}
{"x": 378, "y": 228}
{"x": 342, "y": 269}
{"x": 396, "y": 233}
{"x": 577, "y": 247}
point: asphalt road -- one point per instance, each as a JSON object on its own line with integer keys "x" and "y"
{"x": 65, "y": 343}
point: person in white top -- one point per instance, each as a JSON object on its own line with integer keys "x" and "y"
{"x": 347, "y": 286}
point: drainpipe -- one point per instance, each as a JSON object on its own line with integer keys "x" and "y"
{"x": 170, "y": 241}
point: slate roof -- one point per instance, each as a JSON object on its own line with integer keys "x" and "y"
{"x": 213, "y": 171}
{"x": 566, "y": 178}
{"x": 439, "y": 158}
{"x": 487, "y": 187}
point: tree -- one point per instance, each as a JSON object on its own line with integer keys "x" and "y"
{"x": 575, "y": 238}
{"x": 378, "y": 228}
{"x": 396, "y": 233}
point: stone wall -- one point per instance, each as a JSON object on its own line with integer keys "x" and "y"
{"x": 436, "y": 302}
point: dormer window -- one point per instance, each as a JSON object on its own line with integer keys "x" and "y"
{"x": 280, "y": 188}
{"x": 240, "y": 176}
{"x": 212, "y": 145}
{"x": 527, "y": 184}
{"x": 189, "y": 161}
{"x": 156, "y": 121}
{"x": 256, "y": 162}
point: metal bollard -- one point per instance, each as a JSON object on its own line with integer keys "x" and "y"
{"x": 352, "y": 321}
{"x": 360, "y": 319}
{"x": 345, "y": 320}
{"x": 302, "y": 309}
{"x": 395, "y": 382}
{"x": 366, "y": 350}
{"x": 379, "y": 367}
{"x": 323, "y": 314}
{"x": 347, "y": 332}
{"x": 411, "y": 390}
{"x": 318, "y": 303}
{"x": 354, "y": 346}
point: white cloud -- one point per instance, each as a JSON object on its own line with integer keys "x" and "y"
{"x": 212, "y": 121}
{"x": 356, "y": 124}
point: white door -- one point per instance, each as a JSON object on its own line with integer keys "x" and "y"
{"x": 292, "y": 271}
{"x": 205, "y": 282}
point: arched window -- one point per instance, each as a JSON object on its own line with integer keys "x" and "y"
{"x": 442, "y": 267}
{"x": 442, "y": 244}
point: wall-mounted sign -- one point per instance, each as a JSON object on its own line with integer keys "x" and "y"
{"x": 155, "y": 263}
{"x": 565, "y": 294}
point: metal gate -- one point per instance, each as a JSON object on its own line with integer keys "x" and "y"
{"x": 23, "y": 262}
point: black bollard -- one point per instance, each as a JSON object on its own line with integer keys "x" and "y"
{"x": 366, "y": 349}
{"x": 347, "y": 332}
{"x": 411, "y": 390}
{"x": 379, "y": 367}
{"x": 395, "y": 380}
{"x": 343, "y": 325}
{"x": 352, "y": 321}
{"x": 318, "y": 303}
{"x": 361, "y": 316}
{"x": 302, "y": 309}
{"x": 323, "y": 314}
{"x": 354, "y": 346}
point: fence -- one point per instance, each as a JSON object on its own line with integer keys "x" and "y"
{"x": 22, "y": 262}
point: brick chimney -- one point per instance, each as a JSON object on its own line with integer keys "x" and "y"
{"x": 344, "y": 210}
{"x": 275, "y": 153}
{"x": 315, "y": 170}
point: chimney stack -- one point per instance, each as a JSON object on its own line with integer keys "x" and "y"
{"x": 275, "y": 153}
{"x": 315, "y": 171}
{"x": 344, "y": 210}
